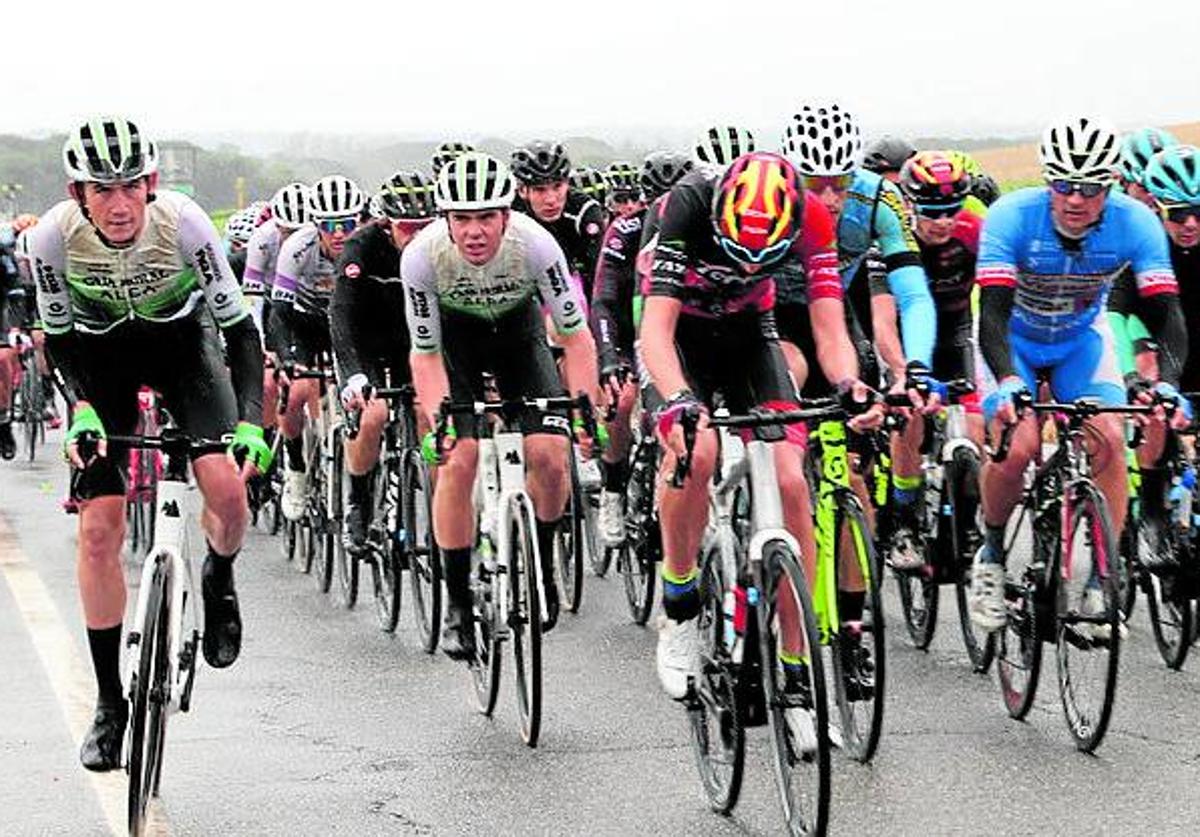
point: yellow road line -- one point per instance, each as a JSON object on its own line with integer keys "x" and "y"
{"x": 70, "y": 676}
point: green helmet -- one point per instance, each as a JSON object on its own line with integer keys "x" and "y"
{"x": 108, "y": 149}
{"x": 1137, "y": 149}
{"x": 590, "y": 182}
{"x": 1173, "y": 175}
{"x": 622, "y": 178}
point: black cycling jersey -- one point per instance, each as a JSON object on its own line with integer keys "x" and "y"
{"x": 578, "y": 231}
{"x": 614, "y": 289}
{"x": 366, "y": 312}
{"x": 1124, "y": 299}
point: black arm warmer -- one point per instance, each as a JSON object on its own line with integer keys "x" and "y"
{"x": 246, "y": 368}
{"x": 342, "y": 317}
{"x": 66, "y": 352}
{"x": 995, "y": 310}
{"x": 281, "y": 329}
{"x": 1163, "y": 316}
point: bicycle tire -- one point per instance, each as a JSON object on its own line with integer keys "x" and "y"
{"x": 320, "y": 522}
{"x": 1018, "y": 669}
{"x": 424, "y": 557}
{"x": 148, "y": 693}
{"x": 387, "y": 584}
{"x": 804, "y": 813}
{"x": 288, "y": 543}
{"x": 1129, "y": 571}
{"x": 919, "y": 599}
{"x": 718, "y": 733}
{"x": 487, "y": 664}
{"x": 1080, "y": 644}
{"x": 525, "y": 619}
{"x": 861, "y": 730}
{"x": 346, "y": 562}
{"x": 33, "y": 405}
{"x": 638, "y": 555}
{"x": 965, "y": 527}
{"x": 569, "y": 545}
{"x": 1171, "y": 620}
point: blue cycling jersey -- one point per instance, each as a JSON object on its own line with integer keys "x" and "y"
{"x": 1061, "y": 284}
{"x": 874, "y": 212}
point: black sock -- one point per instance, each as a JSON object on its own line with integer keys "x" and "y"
{"x": 456, "y": 566}
{"x": 295, "y": 453}
{"x": 616, "y": 474}
{"x": 360, "y": 488}
{"x": 1154, "y": 491}
{"x": 105, "y": 644}
{"x": 545, "y": 540}
{"x": 850, "y": 605}
{"x": 218, "y": 569}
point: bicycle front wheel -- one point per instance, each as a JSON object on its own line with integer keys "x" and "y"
{"x": 859, "y": 650}
{"x": 424, "y": 559}
{"x": 1019, "y": 645}
{"x": 797, "y": 712}
{"x": 1171, "y": 617}
{"x": 966, "y": 523}
{"x": 149, "y": 692}
{"x": 1089, "y": 619}
{"x": 569, "y": 544}
{"x": 525, "y": 619}
{"x": 346, "y": 562}
{"x": 34, "y": 404}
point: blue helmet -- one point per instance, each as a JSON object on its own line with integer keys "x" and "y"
{"x": 1137, "y": 149}
{"x": 1173, "y": 175}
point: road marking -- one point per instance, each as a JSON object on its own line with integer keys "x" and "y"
{"x": 70, "y": 676}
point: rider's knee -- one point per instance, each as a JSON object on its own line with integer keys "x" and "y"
{"x": 1106, "y": 436}
{"x": 459, "y": 467}
{"x": 100, "y": 538}
{"x": 546, "y": 456}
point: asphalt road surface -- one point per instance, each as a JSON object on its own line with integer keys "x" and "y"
{"x": 328, "y": 726}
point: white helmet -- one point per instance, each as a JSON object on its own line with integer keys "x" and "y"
{"x": 240, "y": 226}
{"x": 474, "y": 181}
{"x": 720, "y": 145}
{"x": 1082, "y": 148}
{"x": 289, "y": 206}
{"x": 823, "y": 140}
{"x": 335, "y": 196}
{"x": 108, "y": 149}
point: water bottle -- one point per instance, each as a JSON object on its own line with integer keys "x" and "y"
{"x": 729, "y": 606}
{"x": 1180, "y": 497}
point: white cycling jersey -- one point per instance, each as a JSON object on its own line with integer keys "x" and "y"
{"x": 304, "y": 275}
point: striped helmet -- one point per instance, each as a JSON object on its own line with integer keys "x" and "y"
{"x": 1083, "y": 149}
{"x": 474, "y": 181}
{"x": 108, "y": 149}
{"x": 622, "y": 177}
{"x": 935, "y": 178}
{"x": 446, "y": 152}
{"x": 407, "y": 195}
{"x": 589, "y": 181}
{"x": 335, "y": 196}
{"x": 289, "y": 206}
{"x": 540, "y": 162}
{"x": 720, "y": 145}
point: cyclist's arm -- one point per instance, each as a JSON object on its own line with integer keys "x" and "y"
{"x": 201, "y": 248}
{"x": 826, "y": 311}
{"x": 547, "y": 263}
{"x": 906, "y": 276}
{"x": 996, "y": 277}
{"x": 660, "y": 314}
{"x": 1122, "y": 301}
{"x": 48, "y": 263}
{"x": 1158, "y": 294}
{"x": 614, "y": 271}
{"x": 283, "y": 306}
{"x": 425, "y": 329}
{"x": 349, "y": 312}
{"x": 591, "y": 229}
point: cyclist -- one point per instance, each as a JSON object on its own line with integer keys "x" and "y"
{"x": 238, "y": 229}
{"x": 1047, "y": 258}
{"x": 369, "y": 329}
{"x": 874, "y": 233}
{"x": 12, "y": 311}
{"x": 984, "y": 190}
{"x": 591, "y": 183}
{"x": 1136, "y": 150}
{"x": 473, "y": 280}
{"x": 720, "y": 145}
{"x": 936, "y": 186}
{"x": 446, "y": 152}
{"x": 624, "y": 198}
{"x": 613, "y": 324}
{"x": 304, "y": 281}
{"x": 544, "y": 194}
{"x": 707, "y": 327}
{"x": 124, "y": 272}
{"x": 887, "y": 155}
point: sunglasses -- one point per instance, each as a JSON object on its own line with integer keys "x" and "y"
{"x": 333, "y": 225}
{"x": 1070, "y": 187}
{"x": 836, "y": 182}
{"x": 1178, "y": 213}
{"x": 739, "y": 253}
{"x": 934, "y": 212}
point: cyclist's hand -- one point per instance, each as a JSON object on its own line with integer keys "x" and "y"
{"x": 1000, "y": 403}
{"x": 589, "y": 446}
{"x": 669, "y": 427}
{"x": 612, "y": 380}
{"x": 866, "y": 411}
{"x": 356, "y": 392}
{"x": 926, "y": 392}
{"x": 429, "y": 448}
{"x": 1181, "y": 417}
{"x": 86, "y": 429}
{"x": 248, "y": 440}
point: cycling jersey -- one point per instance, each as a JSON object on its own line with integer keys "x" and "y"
{"x": 304, "y": 275}
{"x": 1061, "y": 284}
{"x": 613, "y": 290}
{"x": 529, "y": 263}
{"x": 366, "y": 313}
{"x": 177, "y": 261}
{"x": 262, "y": 252}
{"x": 690, "y": 266}
{"x": 578, "y": 231}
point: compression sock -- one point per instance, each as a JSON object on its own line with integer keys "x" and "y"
{"x": 616, "y": 474}
{"x": 360, "y": 488}
{"x": 456, "y": 566}
{"x": 105, "y": 645}
{"x": 850, "y": 605}
{"x": 218, "y": 569}
{"x": 295, "y": 453}
{"x": 681, "y": 594}
{"x": 905, "y": 489}
{"x": 993, "y": 542}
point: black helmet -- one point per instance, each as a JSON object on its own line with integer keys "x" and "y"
{"x": 539, "y": 162}
{"x": 590, "y": 182}
{"x": 446, "y": 152}
{"x": 407, "y": 195}
{"x": 661, "y": 170}
{"x": 887, "y": 154}
{"x": 985, "y": 188}
{"x": 622, "y": 178}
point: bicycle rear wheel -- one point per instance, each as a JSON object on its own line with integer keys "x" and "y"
{"x": 1019, "y": 645}
{"x": 638, "y": 555}
{"x": 966, "y": 523}
{"x": 859, "y": 650}
{"x": 525, "y": 619}
{"x": 346, "y": 562}
{"x": 919, "y": 597}
{"x": 718, "y": 736}
{"x": 1089, "y": 620}
{"x": 486, "y": 664}
{"x": 424, "y": 559}
{"x": 802, "y": 771}
{"x": 1171, "y": 618}
{"x": 149, "y": 691}
{"x": 569, "y": 545}
{"x": 386, "y": 567}
{"x": 33, "y": 403}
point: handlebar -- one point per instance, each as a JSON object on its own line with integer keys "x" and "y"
{"x": 1075, "y": 412}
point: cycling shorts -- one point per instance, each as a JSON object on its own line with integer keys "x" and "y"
{"x": 954, "y": 353}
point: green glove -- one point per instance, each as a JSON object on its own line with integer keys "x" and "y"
{"x": 249, "y": 438}
{"x": 601, "y": 439}
{"x": 84, "y": 420}
{"x": 429, "y": 445}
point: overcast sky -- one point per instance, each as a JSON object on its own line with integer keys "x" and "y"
{"x": 467, "y": 68}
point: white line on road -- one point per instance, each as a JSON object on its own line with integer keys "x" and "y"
{"x": 70, "y": 677}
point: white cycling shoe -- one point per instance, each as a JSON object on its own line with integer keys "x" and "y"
{"x": 988, "y": 612}
{"x": 612, "y": 518}
{"x": 292, "y": 501}
{"x": 678, "y": 656}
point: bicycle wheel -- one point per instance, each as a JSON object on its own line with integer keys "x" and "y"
{"x": 718, "y": 735}
{"x": 385, "y": 547}
{"x": 149, "y": 691}
{"x": 1171, "y": 619}
{"x": 1089, "y": 620}
{"x": 569, "y": 545}
{"x": 802, "y": 777}
{"x": 424, "y": 558}
{"x": 636, "y": 557}
{"x": 1128, "y": 568}
{"x": 345, "y": 561}
{"x": 919, "y": 602}
{"x": 33, "y": 403}
{"x": 321, "y": 524}
{"x": 486, "y": 588}
{"x": 1019, "y": 645}
{"x": 858, "y": 648}
{"x": 288, "y": 543}
{"x": 525, "y": 618}
{"x": 966, "y": 523}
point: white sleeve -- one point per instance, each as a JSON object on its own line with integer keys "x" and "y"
{"x": 48, "y": 264}
{"x": 420, "y": 299}
{"x": 547, "y": 263}
{"x": 200, "y": 247}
